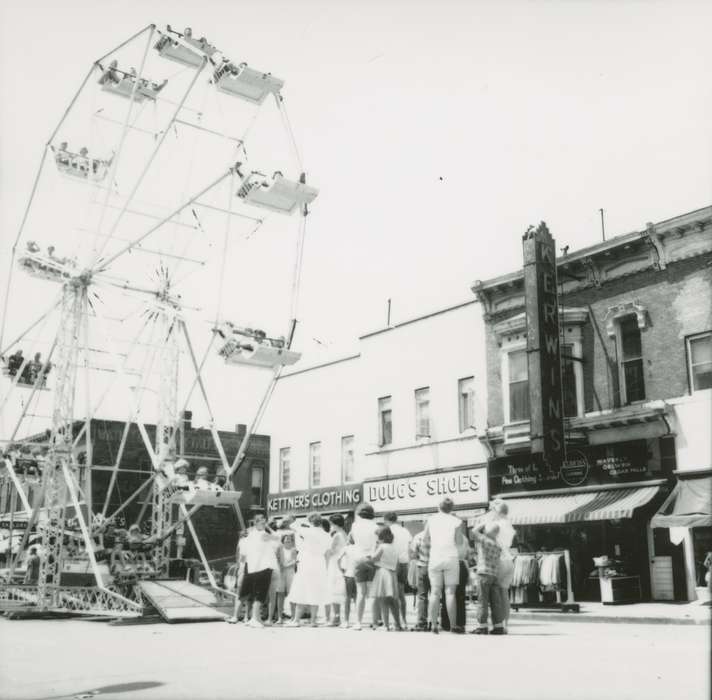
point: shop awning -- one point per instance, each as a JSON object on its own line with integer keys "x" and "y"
{"x": 689, "y": 505}
{"x": 579, "y": 507}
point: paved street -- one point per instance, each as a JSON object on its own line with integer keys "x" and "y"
{"x": 539, "y": 659}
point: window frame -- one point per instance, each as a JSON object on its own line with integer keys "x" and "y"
{"x": 282, "y": 452}
{"x": 466, "y": 400}
{"x": 255, "y": 470}
{"x": 419, "y": 403}
{"x": 688, "y": 358}
{"x": 622, "y": 385}
{"x": 314, "y": 451}
{"x": 344, "y": 452}
{"x": 385, "y": 406}
{"x": 516, "y": 346}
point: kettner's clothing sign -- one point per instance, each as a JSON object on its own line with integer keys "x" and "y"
{"x": 326, "y": 499}
{"x": 425, "y": 491}
{"x": 543, "y": 352}
{"x": 612, "y": 464}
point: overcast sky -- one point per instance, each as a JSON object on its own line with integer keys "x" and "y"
{"x": 437, "y": 131}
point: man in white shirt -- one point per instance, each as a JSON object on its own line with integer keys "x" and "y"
{"x": 443, "y": 532}
{"x": 258, "y": 552}
{"x": 401, "y": 541}
{"x": 364, "y": 537}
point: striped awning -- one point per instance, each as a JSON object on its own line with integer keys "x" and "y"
{"x": 689, "y": 505}
{"x": 579, "y": 507}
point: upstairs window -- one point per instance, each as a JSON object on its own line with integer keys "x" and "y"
{"x": 257, "y": 480}
{"x": 466, "y": 402}
{"x": 284, "y": 468}
{"x": 385, "y": 421}
{"x": 568, "y": 381}
{"x": 347, "y": 459}
{"x": 699, "y": 359}
{"x": 315, "y": 464}
{"x": 631, "y": 361}
{"x": 422, "y": 412}
{"x": 518, "y": 386}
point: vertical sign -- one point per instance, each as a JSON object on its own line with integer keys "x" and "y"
{"x": 543, "y": 352}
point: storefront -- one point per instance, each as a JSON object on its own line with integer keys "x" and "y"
{"x": 413, "y": 497}
{"x": 325, "y": 501}
{"x": 599, "y": 503}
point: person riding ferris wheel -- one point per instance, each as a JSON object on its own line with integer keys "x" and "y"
{"x": 163, "y": 202}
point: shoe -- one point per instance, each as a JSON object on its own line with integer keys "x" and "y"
{"x": 357, "y": 627}
{"x": 231, "y": 620}
{"x": 255, "y": 623}
{"x": 267, "y": 623}
{"x": 420, "y": 628}
{"x": 499, "y": 630}
{"x": 435, "y": 629}
{"x": 458, "y": 630}
{"x": 480, "y": 630}
{"x": 291, "y": 623}
{"x": 344, "y": 626}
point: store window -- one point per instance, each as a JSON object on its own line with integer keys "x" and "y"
{"x": 422, "y": 412}
{"x": 385, "y": 421}
{"x": 256, "y": 483}
{"x": 466, "y": 402}
{"x": 284, "y": 468}
{"x": 699, "y": 360}
{"x": 347, "y": 459}
{"x": 315, "y": 464}
{"x": 568, "y": 381}
{"x": 631, "y": 360}
{"x": 518, "y": 380}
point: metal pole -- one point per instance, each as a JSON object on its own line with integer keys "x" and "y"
{"x": 31, "y": 327}
{"x": 105, "y": 264}
{"x": 603, "y": 226}
{"x": 152, "y": 27}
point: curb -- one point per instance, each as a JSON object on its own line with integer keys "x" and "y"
{"x": 628, "y": 619}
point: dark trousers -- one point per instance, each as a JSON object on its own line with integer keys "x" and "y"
{"x": 423, "y": 593}
{"x": 461, "y": 612}
{"x": 489, "y": 598}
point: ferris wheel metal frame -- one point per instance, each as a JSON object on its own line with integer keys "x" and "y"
{"x": 62, "y": 485}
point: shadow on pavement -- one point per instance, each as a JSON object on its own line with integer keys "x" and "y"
{"x": 106, "y": 689}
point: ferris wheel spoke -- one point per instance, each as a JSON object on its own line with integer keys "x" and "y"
{"x": 32, "y": 326}
{"x": 152, "y": 157}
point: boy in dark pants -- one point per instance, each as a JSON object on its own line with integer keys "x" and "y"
{"x": 489, "y": 595}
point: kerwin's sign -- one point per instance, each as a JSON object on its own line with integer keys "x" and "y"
{"x": 544, "y": 364}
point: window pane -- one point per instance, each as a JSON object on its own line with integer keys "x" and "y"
{"x": 634, "y": 382}
{"x": 386, "y": 428}
{"x": 518, "y": 366}
{"x": 257, "y": 478}
{"x": 422, "y": 412}
{"x": 568, "y": 380}
{"x": 284, "y": 454}
{"x": 315, "y": 462}
{"x": 466, "y": 402}
{"x": 518, "y": 401}
{"x": 630, "y": 338}
{"x": 347, "y": 458}
{"x": 701, "y": 350}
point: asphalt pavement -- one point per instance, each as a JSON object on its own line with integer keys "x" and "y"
{"x": 62, "y": 659}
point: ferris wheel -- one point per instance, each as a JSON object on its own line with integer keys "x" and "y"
{"x": 168, "y": 210}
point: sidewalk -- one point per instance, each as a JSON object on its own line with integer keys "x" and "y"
{"x": 696, "y": 613}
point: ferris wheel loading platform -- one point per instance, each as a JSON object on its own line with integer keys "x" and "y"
{"x": 181, "y": 601}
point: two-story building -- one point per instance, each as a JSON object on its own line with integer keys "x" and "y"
{"x": 635, "y": 319}
{"x": 393, "y": 423}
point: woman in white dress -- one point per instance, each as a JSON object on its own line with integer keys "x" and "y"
{"x": 309, "y": 587}
{"x": 335, "y": 576}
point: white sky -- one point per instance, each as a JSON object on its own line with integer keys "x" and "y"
{"x": 437, "y": 131}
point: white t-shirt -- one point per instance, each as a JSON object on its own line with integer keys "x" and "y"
{"x": 442, "y": 528}
{"x": 401, "y": 541}
{"x": 364, "y": 535}
{"x": 260, "y": 551}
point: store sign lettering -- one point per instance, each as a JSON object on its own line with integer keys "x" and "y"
{"x": 322, "y": 499}
{"x": 466, "y": 486}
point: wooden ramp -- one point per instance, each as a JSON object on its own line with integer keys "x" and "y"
{"x": 180, "y": 601}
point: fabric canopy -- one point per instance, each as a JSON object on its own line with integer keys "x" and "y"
{"x": 689, "y": 505}
{"x": 579, "y": 507}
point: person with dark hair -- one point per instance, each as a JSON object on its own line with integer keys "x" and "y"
{"x": 489, "y": 592}
{"x": 421, "y": 555}
{"x": 309, "y": 588}
{"x": 384, "y": 587}
{"x": 443, "y": 532}
{"x": 33, "y": 567}
{"x": 335, "y": 576}
{"x": 401, "y": 541}
{"x": 364, "y": 537}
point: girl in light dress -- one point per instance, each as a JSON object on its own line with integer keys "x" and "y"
{"x": 309, "y": 587}
{"x": 335, "y": 576}
{"x": 288, "y": 565}
{"x": 384, "y": 587}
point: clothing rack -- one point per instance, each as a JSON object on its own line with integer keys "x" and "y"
{"x": 564, "y": 606}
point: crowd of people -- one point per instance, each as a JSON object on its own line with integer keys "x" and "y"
{"x": 298, "y": 569}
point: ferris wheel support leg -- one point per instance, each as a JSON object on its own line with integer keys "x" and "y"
{"x": 151, "y": 158}
{"x": 199, "y": 547}
{"x": 199, "y": 379}
{"x": 32, "y": 326}
{"x": 132, "y": 497}
{"x": 105, "y": 264}
{"x": 14, "y": 561}
{"x": 148, "y": 27}
{"x": 89, "y": 454}
{"x": 119, "y": 148}
{"x": 18, "y": 487}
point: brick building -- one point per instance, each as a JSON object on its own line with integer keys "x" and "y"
{"x": 635, "y": 317}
